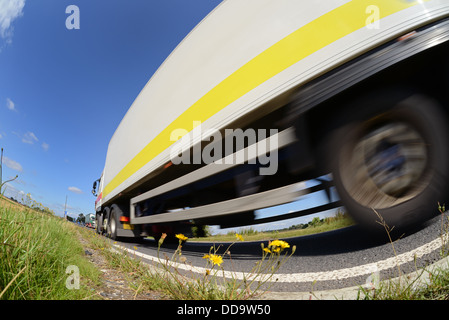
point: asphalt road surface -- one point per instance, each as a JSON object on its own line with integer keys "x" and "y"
{"x": 328, "y": 261}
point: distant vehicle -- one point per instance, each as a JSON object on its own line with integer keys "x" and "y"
{"x": 263, "y": 95}
{"x": 90, "y": 220}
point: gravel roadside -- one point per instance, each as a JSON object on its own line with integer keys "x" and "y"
{"x": 115, "y": 284}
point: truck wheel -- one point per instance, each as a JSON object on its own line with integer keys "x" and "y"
{"x": 392, "y": 159}
{"x": 112, "y": 224}
{"x": 105, "y": 221}
{"x": 98, "y": 223}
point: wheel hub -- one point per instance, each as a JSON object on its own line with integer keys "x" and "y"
{"x": 387, "y": 165}
{"x": 395, "y": 158}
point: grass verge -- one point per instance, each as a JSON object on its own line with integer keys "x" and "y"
{"x": 36, "y": 250}
{"x": 166, "y": 277}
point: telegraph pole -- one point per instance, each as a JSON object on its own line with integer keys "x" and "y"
{"x": 1, "y": 164}
{"x": 65, "y": 208}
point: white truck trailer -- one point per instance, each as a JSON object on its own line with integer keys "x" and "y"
{"x": 264, "y": 94}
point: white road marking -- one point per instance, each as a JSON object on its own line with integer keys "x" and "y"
{"x": 340, "y": 274}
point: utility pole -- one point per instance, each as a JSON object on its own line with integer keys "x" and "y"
{"x": 1, "y": 164}
{"x": 65, "y": 208}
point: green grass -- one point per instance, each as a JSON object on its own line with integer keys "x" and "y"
{"x": 165, "y": 278}
{"x": 340, "y": 220}
{"x": 35, "y": 250}
{"x": 405, "y": 288}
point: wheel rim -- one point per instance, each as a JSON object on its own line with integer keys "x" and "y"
{"x": 112, "y": 227}
{"x": 105, "y": 226}
{"x": 386, "y": 166}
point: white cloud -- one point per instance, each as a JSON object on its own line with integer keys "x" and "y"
{"x": 75, "y": 190}
{"x": 14, "y": 165}
{"x": 9, "y": 103}
{"x": 10, "y": 10}
{"x": 29, "y": 137}
{"x": 45, "y": 146}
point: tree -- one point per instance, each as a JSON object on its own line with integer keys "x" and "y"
{"x": 81, "y": 218}
{"x": 315, "y": 222}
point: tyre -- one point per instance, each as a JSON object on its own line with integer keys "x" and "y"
{"x": 391, "y": 161}
{"x": 105, "y": 221}
{"x": 112, "y": 223}
{"x": 98, "y": 223}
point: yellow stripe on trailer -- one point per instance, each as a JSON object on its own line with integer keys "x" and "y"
{"x": 300, "y": 44}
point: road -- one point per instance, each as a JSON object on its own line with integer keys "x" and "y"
{"x": 328, "y": 261}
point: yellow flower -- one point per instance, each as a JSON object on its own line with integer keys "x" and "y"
{"x": 206, "y": 256}
{"x": 181, "y": 237}
{"x": 239, "y": 237}
{"x": 216, "y": 259}
{"x": 279, "y": 243}
{"x": 266, "y": 250}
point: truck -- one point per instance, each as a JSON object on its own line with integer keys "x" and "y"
{"x": 263, "y": 95}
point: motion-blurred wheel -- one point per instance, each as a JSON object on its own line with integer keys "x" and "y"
{"x": 392, "y": 159}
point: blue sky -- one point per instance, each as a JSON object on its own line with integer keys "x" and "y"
{"x": 63, "y": 92}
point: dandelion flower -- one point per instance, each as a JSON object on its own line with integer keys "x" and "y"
{"x": 181, "y": 237}
{"x": 277, "y": 246}
{"x": 266, "y": 250}
{"x": 279, "y": 243}
{"x": 239, "y": 237}
{"x": 216, "y": 259}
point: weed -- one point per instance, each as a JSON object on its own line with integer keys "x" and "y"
{"x": 35, "y": 250}
{"x": 425, "y": 284}
{"x": 216, "y": 283}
